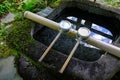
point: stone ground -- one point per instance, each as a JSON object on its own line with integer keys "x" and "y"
{"x": 9, "y": 17}
{"x": 8, "y": 70}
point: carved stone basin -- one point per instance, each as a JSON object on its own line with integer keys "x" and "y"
{"x": 88, "y": 63}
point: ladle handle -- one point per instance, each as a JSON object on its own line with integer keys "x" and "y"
{"x": 50, "y": 46}
{"x": 69, "y": 57}
{"x": 114, "y": 50}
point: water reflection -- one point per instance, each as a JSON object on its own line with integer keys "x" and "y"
{"x": 93, "y": 34}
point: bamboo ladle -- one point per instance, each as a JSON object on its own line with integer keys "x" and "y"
{"x": 82, "y": 34}
{"x": 64, "y": 26}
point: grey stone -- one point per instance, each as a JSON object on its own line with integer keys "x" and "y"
{"x": 8, "y": 70}
{"x": 8, "y": 18}
{"x": 45, "y": 12}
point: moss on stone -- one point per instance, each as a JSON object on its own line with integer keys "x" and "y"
{"x": 19, "y": 37}
{"x": 56, "y": 3}
{"x": 115, "y": 3}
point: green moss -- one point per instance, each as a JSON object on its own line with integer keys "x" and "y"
{"x": 114, "y": 3}
{"x": 31, "y": 5}
{"x": 19, "y": 37}
{"x": 56, "y": 3}
{"x": 33, "y": 62}
{"x": 4, "y": 49}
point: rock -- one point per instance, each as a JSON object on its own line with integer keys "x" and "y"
{"x": 8, "y": 70}
{"x": 8, "y": 18}
{"x": 45, "y": 12}
{"x": 30, "y": 72}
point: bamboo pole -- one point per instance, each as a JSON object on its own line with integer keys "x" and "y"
{"x": 50, "y": 46}
{"x": 41, "y": 20}
{"x": 69, "y": 57}
{"x": 114, "y": 50}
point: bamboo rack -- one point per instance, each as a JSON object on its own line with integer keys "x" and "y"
{"x": 112, "y": 49}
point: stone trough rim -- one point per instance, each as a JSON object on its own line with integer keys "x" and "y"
{"x": 102, "y": 57}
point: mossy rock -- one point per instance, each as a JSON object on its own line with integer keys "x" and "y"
{"x": 56, "y": 3}
{"x": 19, "y": 37}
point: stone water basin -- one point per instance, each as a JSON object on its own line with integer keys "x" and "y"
{"x": 88, "y": 62}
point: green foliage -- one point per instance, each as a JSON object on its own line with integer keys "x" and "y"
{"x": 32, "y": 4}
{"x": 113, "y": 3}
{"x": 19, "y": 38}
{"x": 15, "y": 6}
{"x": 56, "y": 3}
{"x": 3, "y": 31}
{"x": 3, "y": 9}
{"x": 4, "y": 49}
{"x": 8, "y": 6}
{"x": 50, "y": 1}
{"x": 19, "y": 16}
